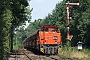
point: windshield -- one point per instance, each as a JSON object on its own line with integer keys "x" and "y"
{"x": 50, "y": 29}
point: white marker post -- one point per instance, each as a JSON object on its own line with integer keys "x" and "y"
{"x": 80, "y": 45}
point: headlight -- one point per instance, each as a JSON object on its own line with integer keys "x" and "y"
{"x": 55, "y": 38}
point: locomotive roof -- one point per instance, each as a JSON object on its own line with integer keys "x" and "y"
{"x": 49, "y": 27}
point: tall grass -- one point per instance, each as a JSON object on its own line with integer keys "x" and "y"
{"x": 74, "y": 54}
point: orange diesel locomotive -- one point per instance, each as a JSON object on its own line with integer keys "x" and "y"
{"x": 47, "y": 40}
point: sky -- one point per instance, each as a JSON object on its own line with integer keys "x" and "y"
{"x": 41, "y": 8}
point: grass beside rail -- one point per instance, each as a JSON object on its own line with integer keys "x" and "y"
{"x": 74, "y": 54}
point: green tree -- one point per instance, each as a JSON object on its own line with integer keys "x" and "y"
{"x": 12, "y": 14}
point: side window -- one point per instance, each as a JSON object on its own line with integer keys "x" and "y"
{"x": 41, "y": 30}
{"x": 57, "y": 30}
{"x": 46, "y": 29}
{"x": 53, "y": 30}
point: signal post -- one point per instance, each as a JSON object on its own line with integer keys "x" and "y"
{"x": 69, "y": 37}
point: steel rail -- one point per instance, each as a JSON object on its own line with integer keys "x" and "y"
{"x": 28, "y": 56}
{"x": 16, "y": 56}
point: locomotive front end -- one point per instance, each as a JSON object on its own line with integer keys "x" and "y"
{"x": 50, "y": 39}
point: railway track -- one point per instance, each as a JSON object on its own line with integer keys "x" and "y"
{"x": 18, "y": 55}
{"x": 16, "y": 58}
{"x": 28, "y": 55}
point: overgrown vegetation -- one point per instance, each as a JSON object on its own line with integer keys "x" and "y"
{"x": 79, "y": 24}
{"x": 13, "y": 13}
{"x": 74, "y": 54}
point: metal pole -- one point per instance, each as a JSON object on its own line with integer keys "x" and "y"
{"x": 68, "y": 20}
{"x": 68, "y": 17}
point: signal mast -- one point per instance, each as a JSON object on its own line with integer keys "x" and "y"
{"x": 69, "y": 37}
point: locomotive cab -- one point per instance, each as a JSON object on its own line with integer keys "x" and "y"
{"x": 50, "y": 39}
